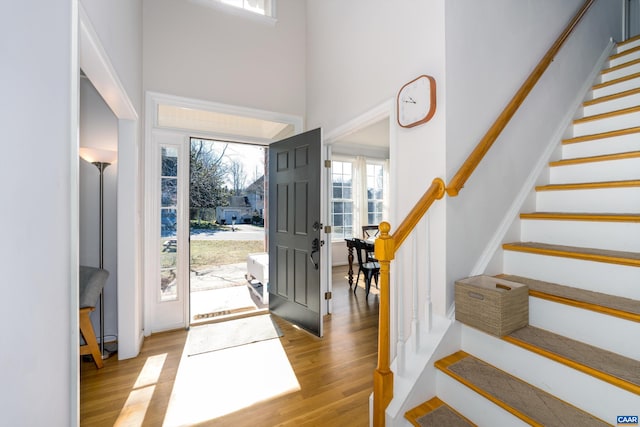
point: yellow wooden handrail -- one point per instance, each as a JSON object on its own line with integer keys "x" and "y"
{"x": 387, "y": 244}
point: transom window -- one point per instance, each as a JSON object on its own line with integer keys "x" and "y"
{"x": 261, "y": 7}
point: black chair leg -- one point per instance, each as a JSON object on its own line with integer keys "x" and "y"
{"x": 368, "y": 283}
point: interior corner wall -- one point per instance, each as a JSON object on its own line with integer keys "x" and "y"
{"x": 99, "y": 129}
{"x": 491, "y": 47}
{"x": 205, "y": 53}
{"x": 39, "y": 113}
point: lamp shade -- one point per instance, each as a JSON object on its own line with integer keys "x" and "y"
{"x": 93, "y": 155}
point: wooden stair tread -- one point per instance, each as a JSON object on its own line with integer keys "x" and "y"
{"x": 611, "y": 97}
{"x": 627, "y": 41}
{"x": 605, "y": 365}
{"x": 616, "y": 81}
{"x": 521, "y": 399}
{"x": 620, "y": 66}
{"x": 589, "y": 185}
{"x": 602, "y": 135}
{"x": 624, "y": 52}
{"x": 607, "y": 115}
{"x": 566, "y": 216}
{"x": 592, "y": 159}
{"x": 625, "y": 308}
{"x": 589, "y": 254}
{"x": 436, "y": 413}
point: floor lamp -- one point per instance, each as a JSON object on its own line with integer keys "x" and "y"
{"x": 100, "y": 159}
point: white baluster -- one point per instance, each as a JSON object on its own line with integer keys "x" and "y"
{"x": 399, "y": 305}
{"x": 415, "y": 312}
{"x": 427, "y": 275}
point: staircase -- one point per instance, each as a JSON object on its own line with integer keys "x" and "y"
{"x": 578, "y": 361}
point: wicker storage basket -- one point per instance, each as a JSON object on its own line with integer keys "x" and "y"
{"x": 493, "y": 305}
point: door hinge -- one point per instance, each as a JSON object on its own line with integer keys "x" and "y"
{"x": 327, "y": 229}
{"x": 327, "y": 295}
{"x": 327, "y": 163}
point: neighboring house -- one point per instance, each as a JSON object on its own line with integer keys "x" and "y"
{"x": 255, "y": 196}
{"x": 324, "y": 61}
{"x": 239, "y": 211}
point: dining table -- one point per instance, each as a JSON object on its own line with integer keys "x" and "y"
{"x": 350, "y": 245}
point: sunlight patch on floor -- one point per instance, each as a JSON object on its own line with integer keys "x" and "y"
{"x": 135, "y": 408}
{"x": 210, "y": 385}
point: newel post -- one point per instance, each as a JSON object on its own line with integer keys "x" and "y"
{"x": 382, "y": 376}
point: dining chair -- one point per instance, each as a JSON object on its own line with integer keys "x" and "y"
{"x": 370, "y": 233}
{"x": 369, "y": 269}
{"x": 91, "y": 283}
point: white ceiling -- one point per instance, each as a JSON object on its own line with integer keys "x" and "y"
{"x": 375, "y": 135}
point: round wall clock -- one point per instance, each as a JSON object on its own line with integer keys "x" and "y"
{"x": 417, "y": 101}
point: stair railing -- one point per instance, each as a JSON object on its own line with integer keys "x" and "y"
{"x": 387, "y": 244}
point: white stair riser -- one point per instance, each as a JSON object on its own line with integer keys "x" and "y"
{"x": 612, "y": 105}
{"x": 622, "y": 121}
{"x": 616, "y": 74}
{"x": 600, "y": 330}
{"x": 599, "y": 398}
{"x": 613, "y": 279}
{"x": 627, "y": 46}
{"x": 612, "y": 200}
{"x": 616, "y": 88}
{"x": 618, "y": 236}
{"x": 596, "y": 147}
{"x": 474, "y": 407}
{"x": 602, "y": 171}
{"x": 629, "y": 56}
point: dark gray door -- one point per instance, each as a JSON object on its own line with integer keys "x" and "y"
{"x": 294, "y": 230}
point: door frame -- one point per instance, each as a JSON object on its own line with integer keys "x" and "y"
{"x": 97, "y": 66}
{"x": 152, "y": 101}
{"x": 386, "y": 110}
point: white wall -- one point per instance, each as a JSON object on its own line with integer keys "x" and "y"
{"x": 359, "y": 54}
{"x": 492, "y": 46}
{"x": 38, "y": 255}
{"x": 200, "y": 52}
{"x": 99, "y": 129}
{"x": 119, "y": 26}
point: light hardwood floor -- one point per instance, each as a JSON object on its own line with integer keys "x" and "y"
{"x": 334, "y": 373}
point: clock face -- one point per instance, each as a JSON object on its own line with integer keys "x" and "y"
{"x": 417, "y": 102}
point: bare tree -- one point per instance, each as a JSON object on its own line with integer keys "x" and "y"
{"x": 238, "y": 177}
{"x": 208, "y": 172}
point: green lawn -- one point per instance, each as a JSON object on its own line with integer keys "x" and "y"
{"x": 220, "y": 252}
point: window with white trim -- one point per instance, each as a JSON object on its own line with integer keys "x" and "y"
{"x": 375, "y": 190}
{"x": 342, "y": 202}
{"x": 358, "y": 195}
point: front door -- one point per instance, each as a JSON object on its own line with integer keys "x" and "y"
{"x": 294, "y": 230}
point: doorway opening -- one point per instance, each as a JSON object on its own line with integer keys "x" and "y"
{"x": 226, "y": 230}
{"x": 362, "y": 176}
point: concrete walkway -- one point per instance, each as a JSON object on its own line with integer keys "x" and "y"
{"x": 221, "y": 291}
